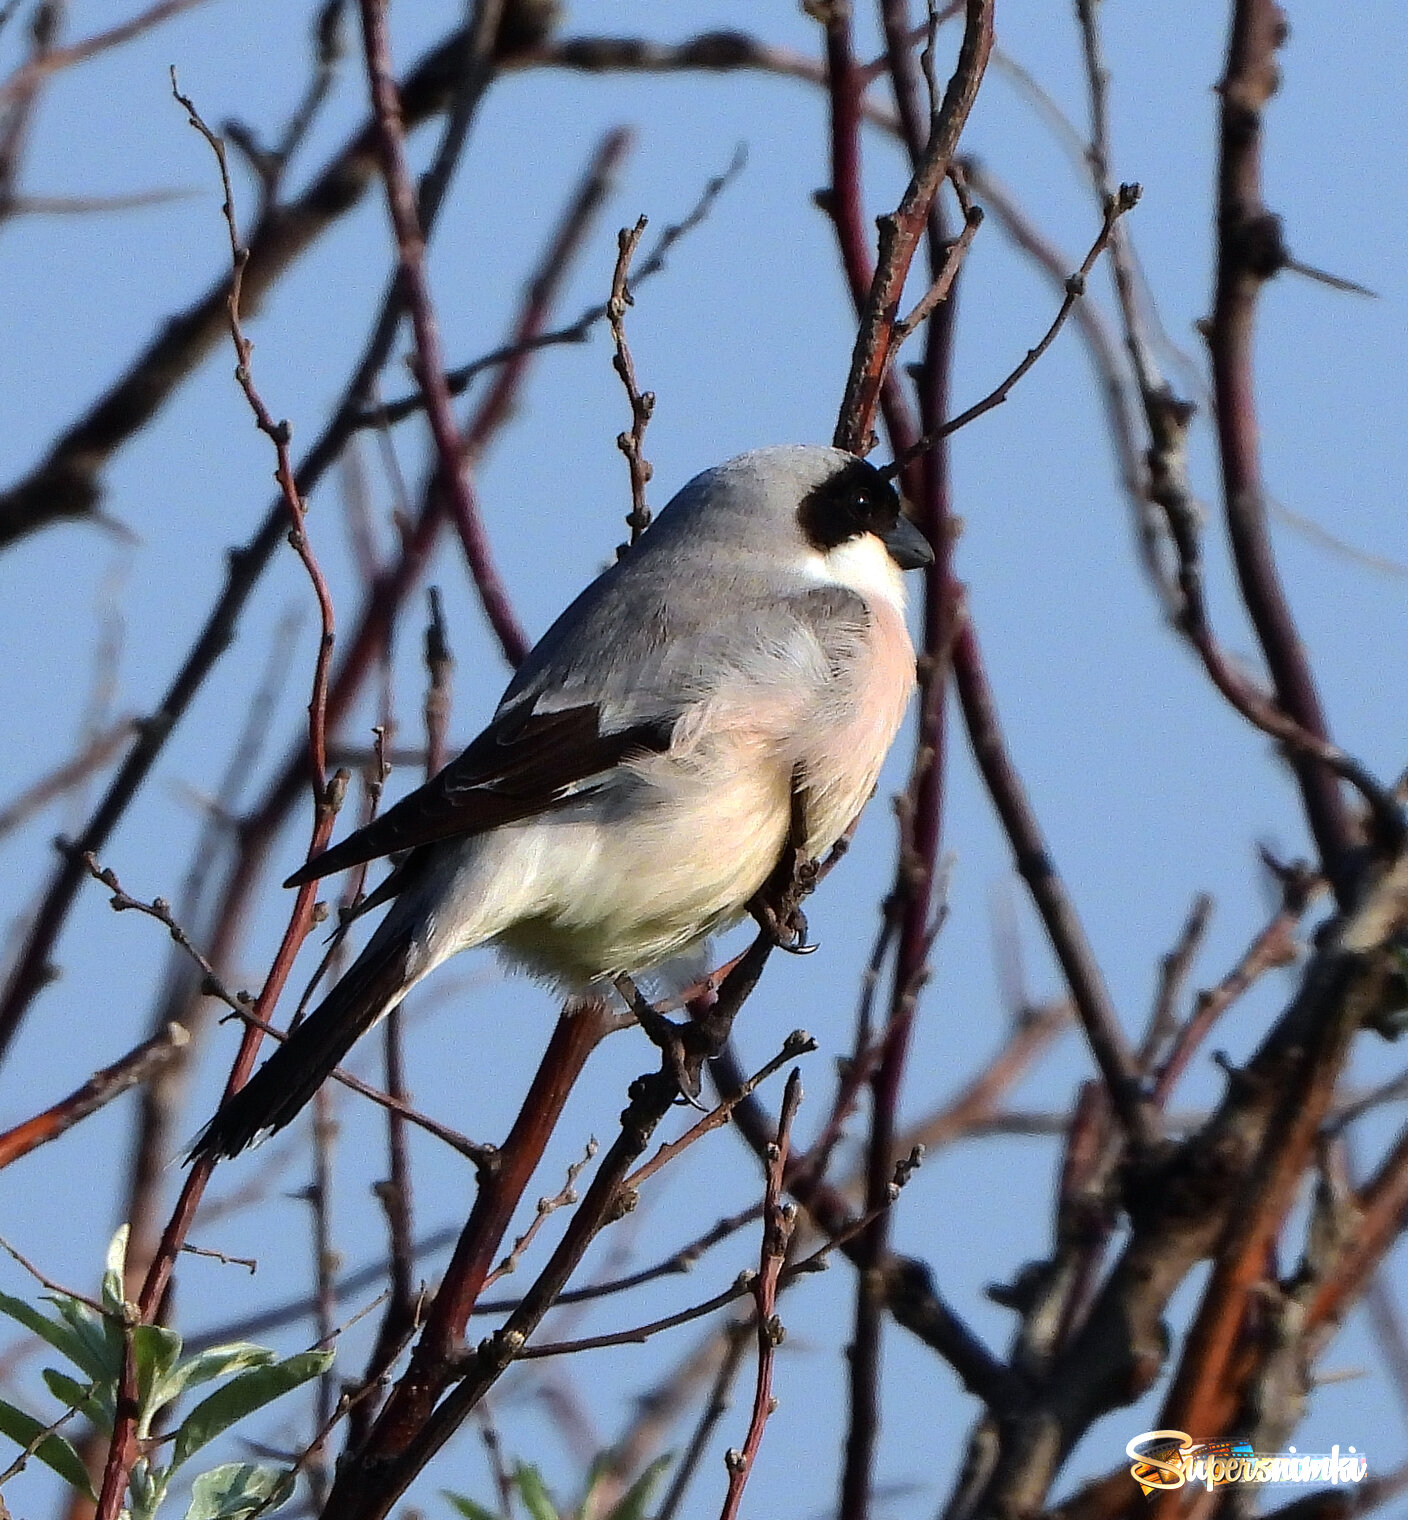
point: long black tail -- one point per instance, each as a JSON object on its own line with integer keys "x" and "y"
{"x": 295, "y": 1071}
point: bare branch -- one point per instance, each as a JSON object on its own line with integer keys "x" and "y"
{"x": 642, "y": 403}
{"x": 136, "y": 1067}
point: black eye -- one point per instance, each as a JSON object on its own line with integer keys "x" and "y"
{"x": 853, "y": 501}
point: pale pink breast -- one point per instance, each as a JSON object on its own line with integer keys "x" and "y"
{"x": 848, "y": 754}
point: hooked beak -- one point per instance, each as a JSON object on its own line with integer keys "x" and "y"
{"x": 907, "y": 545}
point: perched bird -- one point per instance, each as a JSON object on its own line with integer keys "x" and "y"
{"x": 744, "y": 666}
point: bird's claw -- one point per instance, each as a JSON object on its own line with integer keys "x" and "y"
{"x": 668, "y": 1037}
{"x": 795, "y": 937}
{"x": 778, "y": 907}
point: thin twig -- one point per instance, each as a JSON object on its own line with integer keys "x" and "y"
{"x": 429, "y": 364}
{"x": 778, "y": 1222}
{"x": 270, "y": 164}
{"x": 900, "y": 233}
{"x": 1124, "y": 200}
{"x": 565, "y": 1197}
{"x": 716, "y": 1406}
{"x": 1274, "y": 945}
{"x": 939, "y": 288}
{"x": 94, "y": 754}
{"x": 122, "y": 1451}
{"x": 40, "y": 1436}
{"x": 247, "y": 1262}
{"x": 29, "y": 74}
{"x": 137, "y": 1066}
{"x": 239, "y": 1006}
{"x": 642, "y": 403}
{"x": 743, "y": 1286}
{"x": 1174, "y": 969}
{"x": 49, "y": 1284}
{"x": 459, "y": 379}
{"x": 798, "y": 1043}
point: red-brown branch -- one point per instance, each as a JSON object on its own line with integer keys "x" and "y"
{"x": 326, "y": 798}
{"x": 900, "y": 234}
{"x": 136, "y": 1067}
{"x": 430, "y": 363}
{"x": 433, "y": 1366}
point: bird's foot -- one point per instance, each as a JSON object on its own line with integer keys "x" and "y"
{"x": 669, "y": 1037}
{"x": 777, "y": 908}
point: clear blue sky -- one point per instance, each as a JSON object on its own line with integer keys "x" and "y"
{"x": 1149, "y": 789}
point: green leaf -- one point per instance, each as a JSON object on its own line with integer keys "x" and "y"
{"x": 468, "y": 1508}
{"x": 238, "y": 1489}
{"x": 533, "y": 1491}
{"x": 87, "y": 1399}
{"x": 60, "y": 1336}
{"x": 53, "y": 1451}
{"x": 114, "y": 1269}
{"x": 155, "y": 1350}
{"x": 216, "y": 1361}
{"x": 637, "y": 1496}
{"x": 100, "y": 1335}
{"x": 241, "y": 1396}
{"x": 146, "y": 1488}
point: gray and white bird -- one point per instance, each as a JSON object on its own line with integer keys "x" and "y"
{"x": 635, "y": 788}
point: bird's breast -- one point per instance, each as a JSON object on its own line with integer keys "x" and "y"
{"x": 847, "y": 748}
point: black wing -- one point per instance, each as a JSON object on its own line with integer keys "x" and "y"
{"x": 522, "y": 764}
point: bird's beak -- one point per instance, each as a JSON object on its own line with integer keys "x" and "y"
{"x": 907, "y": 545}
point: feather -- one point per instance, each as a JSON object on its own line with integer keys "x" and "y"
{"x": 523, "y": 764}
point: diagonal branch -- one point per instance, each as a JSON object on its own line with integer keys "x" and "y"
{"x": 415, "y": 289}
{"x": 33, "y": 969}
{"x": 900, "y": 233}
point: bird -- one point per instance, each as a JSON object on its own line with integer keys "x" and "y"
{"x": 732, "y": 682}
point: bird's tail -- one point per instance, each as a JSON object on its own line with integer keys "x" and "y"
{"x": 295, "y": 1071}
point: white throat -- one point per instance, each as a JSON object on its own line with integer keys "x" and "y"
{"x": 863, "y": 565}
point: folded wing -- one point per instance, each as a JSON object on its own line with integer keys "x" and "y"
{"x": 524, "y": 763}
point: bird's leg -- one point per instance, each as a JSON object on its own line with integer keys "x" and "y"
{"x": 669, "y": 1036}
{"x": 777, "y": 906}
